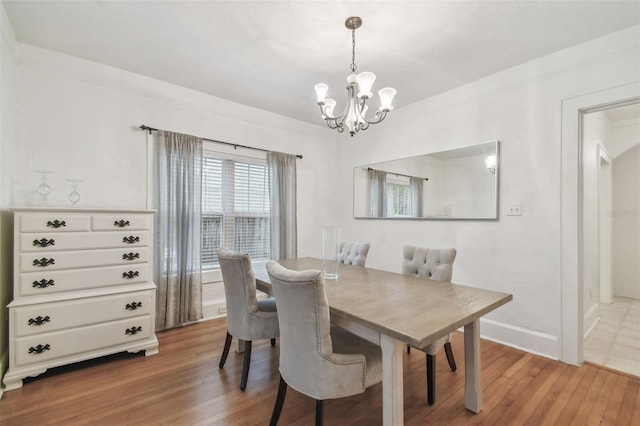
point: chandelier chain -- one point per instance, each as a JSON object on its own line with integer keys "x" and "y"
{"x": 353, "y": 51}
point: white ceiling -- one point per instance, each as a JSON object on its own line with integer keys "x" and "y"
{"x": 269, "y": 54}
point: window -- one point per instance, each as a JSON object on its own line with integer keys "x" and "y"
{"x": 235, "y": 208}
{"x": 398, "y": 198}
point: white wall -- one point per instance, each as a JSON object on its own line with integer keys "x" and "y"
{"x": 521, "y": 107}
{"x": 624, "y": 137}
{"x": 626, "y": 223}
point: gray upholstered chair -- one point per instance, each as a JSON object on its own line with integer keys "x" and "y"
{"x": 316, "y": 359}
{"x": 435, "y": 264}
{"x": 353, "y": 253}
{"x": 248, "y": 318}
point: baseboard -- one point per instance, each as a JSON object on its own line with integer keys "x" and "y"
{"x": 212, "y": 310}
{"x": 535, "y": 342}
{"x": 591, "y": 318}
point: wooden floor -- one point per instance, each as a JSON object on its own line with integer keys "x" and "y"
{"x": 182, "y": 385}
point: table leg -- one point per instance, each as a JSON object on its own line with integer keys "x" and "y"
{"x": 472, "y": 367}
{"x": 392, "y": 391}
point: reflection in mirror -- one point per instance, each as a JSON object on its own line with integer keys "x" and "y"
{"x": 456, "y": 184}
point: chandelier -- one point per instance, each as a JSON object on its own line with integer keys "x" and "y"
{"x": 359, "y": 91}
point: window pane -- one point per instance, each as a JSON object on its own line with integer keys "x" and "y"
{"x": 211, "y": 185}
{"x": 251, "y": 188}
{"x": 252, "y": 236}
{"x": 398, "y": 199}
{"x": 235, "y": 209}
{"x": 211, "y": 238}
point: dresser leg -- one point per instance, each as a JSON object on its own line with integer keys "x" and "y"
{"x": 13, "y": 380}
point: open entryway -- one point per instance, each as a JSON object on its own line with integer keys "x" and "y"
{"x": 611, "y": 236}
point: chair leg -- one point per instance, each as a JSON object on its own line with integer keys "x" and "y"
{"x": 277, "y": 408}
{"x": 449, "y": 352}
{"x": 273, "y": 342}
{"x": 431, "y": 379}
{"x": 245, "y": 365}
{"x": 319, "y": 412}
{"x": 225, "y": 351}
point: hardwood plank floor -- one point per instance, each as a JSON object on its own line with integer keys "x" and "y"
{"x": 182, "y": 385}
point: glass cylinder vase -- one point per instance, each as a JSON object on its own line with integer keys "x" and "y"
{"x": 330, "y": 249}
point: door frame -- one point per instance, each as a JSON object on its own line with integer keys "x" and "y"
{"x": 605, "y": 177}
{"x": 571, "y": 329}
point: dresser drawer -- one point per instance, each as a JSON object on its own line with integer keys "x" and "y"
{"x": 48, "y": 282}
{"x": 53, "y": 222}
{"x": 46, "y": 317}
{"x": 48, "y": 346}
{"x": 110, "y": 222}
{"x": 46, "y": 242}
{"x": 82, "y": 259}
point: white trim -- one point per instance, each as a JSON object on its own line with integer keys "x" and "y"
{"x": 591, "y": 318}
{"x": 605, "y": 286}
{"x": 537, "y": 343}
{"x": 571, "y": 221}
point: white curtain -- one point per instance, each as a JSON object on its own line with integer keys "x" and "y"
{"x": 282, "y": 194}
{"x": 178, "y": 196}
{"x": 416, "y": 186}
{"x": 377, "y": 193}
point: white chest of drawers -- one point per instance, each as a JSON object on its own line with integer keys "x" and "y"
{"x": 82, "y": 288}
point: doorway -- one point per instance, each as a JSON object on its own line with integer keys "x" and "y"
{"x": 611, "y": 236}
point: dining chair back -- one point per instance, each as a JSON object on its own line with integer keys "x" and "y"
{"x": 435, "y": 264}
{"x": 317, "y": 359}
{"x": 353, "y": 253}
{"x": 248, "y": 318}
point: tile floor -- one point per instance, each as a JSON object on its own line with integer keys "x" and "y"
{"x": 615, "y": 340}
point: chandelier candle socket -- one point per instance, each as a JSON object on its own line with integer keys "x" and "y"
{"x": 358, "y": 91}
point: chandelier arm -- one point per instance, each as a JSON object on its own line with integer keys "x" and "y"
{"x": 380, "y": 115}
{"x": 333, "y": 124}
{"x": 362, "y": 103}
{"x": 323, "y": 112}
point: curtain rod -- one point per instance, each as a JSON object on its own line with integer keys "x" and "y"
{"x": 234, "y": 145}
{"x": 393, "y": 173}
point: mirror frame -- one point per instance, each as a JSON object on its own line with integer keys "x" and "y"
{"x": 492, "y": 217}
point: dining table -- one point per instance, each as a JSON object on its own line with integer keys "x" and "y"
{"x": 393, "y": 310}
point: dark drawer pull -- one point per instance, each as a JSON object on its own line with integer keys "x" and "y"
{"x": 44, "y": 242}
{"x": 133, "y": 330}
{"x": 43, "y": 283}
{"x": 39, "y": 320}
{"x": 39, "y": 349}
{"x": 44, "y": 262}
{"x": 133, "y": 306}
{"x": 129, "y": 275}
{"x": 131, "y": 239}
{"x": 130, "y": 256}
{"x": 56, "y": 223}
{"x": 121, "y": 223}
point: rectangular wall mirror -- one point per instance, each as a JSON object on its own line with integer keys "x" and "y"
{"x": 460, "y": 183}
